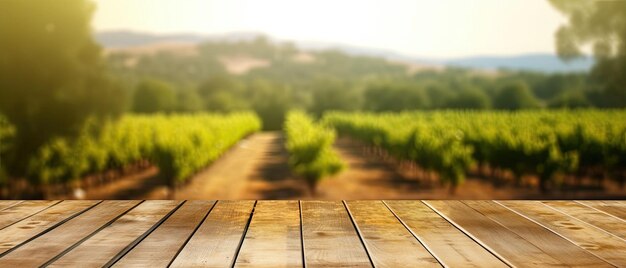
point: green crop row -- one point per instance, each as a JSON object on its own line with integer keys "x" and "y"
{"x": 310, "y": 148}
{"x": 179, "y": 145}
{"x": 540, "y": 143}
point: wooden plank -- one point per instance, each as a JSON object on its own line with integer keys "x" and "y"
{"x": 4, "y": 204}
{"x": 49, "y": 245}
{"x": 544, "y": 239}
{"x": 591, "y": 216}
{"x": 447, "y": 243}
{"x": 507, "y": 245}
{"x": 388, "y": 242}
{"x": 273, "y": 237}
{"x": 329, "y": 237}
{"x": 217, "y": 240}
{"x": 23, "y": 210}
{"x": 101, "y": 248}
{"x": 604, "y": 245}
{"x": 22, "y": 231}
{"x": 615, "y": 208}
{"x": 160, "y": 247}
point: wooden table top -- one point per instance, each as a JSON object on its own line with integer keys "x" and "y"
{"x": 250, "y": 233}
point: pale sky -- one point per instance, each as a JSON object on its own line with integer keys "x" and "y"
{"x": 422, "y": 28}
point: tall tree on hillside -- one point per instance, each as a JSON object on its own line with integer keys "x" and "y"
{"x": 470, "y": 98}
{"x": 152, "y": 96}
{"x": 51, "y": 73}
{"x": 601, "y": 24}
{"x": 389, "y": 96}
{"x": 331, "y": 94}
{"x": 271, "y": 102}
{"x": 223, "y": 93}
{"x": 515, "y": 96}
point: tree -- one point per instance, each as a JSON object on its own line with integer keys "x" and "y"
{"x": 573, "y": 99}
{"x": 470, "y": 98}
{"x": 271, "y": 102}
{"x": 438, "y": 95}
{"x": 396, "y": 97}
{"x": 153, "y": 96}
{"x": 52, "y": 77}
{"x": 222, "y": 93}
{"x": 601, "y": 24}
{"x": 334, "y": 94}
{"x": 515, "y": 96}
{"x": 188, "y": 100}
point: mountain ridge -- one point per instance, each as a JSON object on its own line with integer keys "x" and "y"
{"x": 541, "y": 62}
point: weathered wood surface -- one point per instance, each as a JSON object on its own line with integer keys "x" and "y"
{"x": 160, "y": 247}
{"x": 388, "y": 242}
{"x": 312, "y": 233}
{"x": 273, "y": 237}
{"x": 218, "y": 239}
{"x": 329, "y": 238}
{"x": 446, "y": 242}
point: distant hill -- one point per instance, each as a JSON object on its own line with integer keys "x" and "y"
{"x": 123, "y": 39}
{"x": 535, "y": 62}
{"x": 549, "y": 63}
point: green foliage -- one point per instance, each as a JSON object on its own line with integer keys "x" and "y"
{"x": 188, "y": 101}
{"x": 179, "y": 145}
{"x": 541, "y": 143}
{"x": 441, "y": 149}
{"x": 223, "y": 93}
{"x": 51, "y": 73}
{"x": 334, "y": 94}
{"x": 153, "y": 96}
{"x": 271, "y": 102}
{"x": 601, "y": 25}
{"x": 515, "y": 96}
{"x": 389, "y": 96}
{"x": 310, "y": 148}
{"x": 7, "y": 134}
{"x": 470, "y": 98}
{"x": 570, "y": 100}
{"x": 425, "y": 138}
{"x": 333, "y": 80}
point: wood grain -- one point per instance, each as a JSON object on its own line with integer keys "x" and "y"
{"x": 544, "y": 239}
{"x": 594, "y": 217}
{"x": 4, "y": 204}
{"x": 102, "y": 247}
{"x": 615, "y": 208}
{"x": 388, "y": 242}
{"x": 160, "y": 247}
{"x": 329, "y": 237}
{"x": 23, "y": 210}
{"x": 26, "y": 229}
{"x": 217, "y": 240}
{"x": 506, "y": 244}
{"x": 451, "y": 246}
{"x": 273, "y": 237}
{"x": 313, "y": 233}
{"x": 602, "y": 244}
{"x": 49, "y": 245}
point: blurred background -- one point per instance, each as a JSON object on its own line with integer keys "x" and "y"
{"x": 282, "y": 99}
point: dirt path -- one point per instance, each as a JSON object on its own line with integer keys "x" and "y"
{"x": 256, "y": 168}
